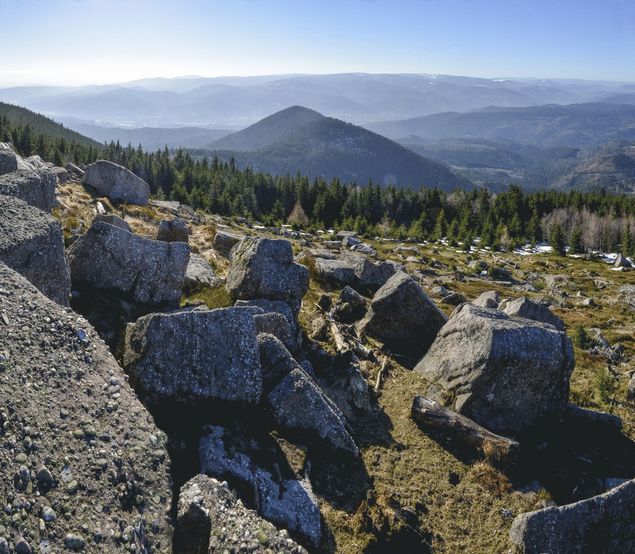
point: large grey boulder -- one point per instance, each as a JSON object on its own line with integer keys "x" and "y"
{"x": 173, "y": 230}
{"x": 276, "y": 493}
{"x": 35, "y": 187}
{"x": 274, "y": 323}
{"x": 116, "y": 182}
{"x": 523, "y": 307}
{"x": 271, "y": 306}
{"x": 506, "y": 373}
{"x": 196, "y": 355}
{"x": 210, "y": 518}
{"x": 334, "y": 272}
{"x": 487, "y": 299}
{"x": 113, "y": 219}
{"x": 224, "y": 241}
{"x": 75, "y": 435}
{"x": 603, "y": 523}
{"x": 297, "y": 403}
{"x": 199, "y": 273}
{"x": 32, "y": 244}
{"x": 264, "y": 268}
{"x": 371, "y": 275}
{"x": 107, "y": 257}
{"x": 8, "y": 159}
{"x": 403, "y": 317}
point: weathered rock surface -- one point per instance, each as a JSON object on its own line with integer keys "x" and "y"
{"x": 603, "y": 523}
{"x": 116, "y": 182}
{"x": 403, "y": 317}
{"x": 626, "y": 296}
{"x": 107, "y": 257}
{"x": 8, "y": 159}
{"x": 264, "y": 268}
{"x": 276, "y": 324}
{"x": 334, "y": 272}
{"x": 350, "y": 306}
{"x": 272, "y": 306}
{"x": 35, "y": 187}
{"x": 82, "y": 461}
{"x": 487, "y": 299}
{"x": 224, "y": 241}
{"x": 173, "y": 230}
{"x": 196, "y": 354}
{"x": 297, "y": 403}
{"x": 113, "y": 219}
{"x": 211, "y": 519}
{"x": 61, "y": 174}
{"x": 622, "y": 261}
{"x": 200, "y": 274}
{"x": 31, "y": 243}
{"x": 505, "y": 373}
{"x": 276, "y": 493}
{"x": 523, "y": 307}
{"x": 371, "y": 275}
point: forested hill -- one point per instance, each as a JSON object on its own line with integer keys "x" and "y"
{"x": 301, "y": 140}
{"x": 17, "y": 116}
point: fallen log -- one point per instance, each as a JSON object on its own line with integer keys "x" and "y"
{"x": 433, "y": 417}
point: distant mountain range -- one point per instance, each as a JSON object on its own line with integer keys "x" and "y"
{"x": 301, "y": 140}
{"x": 576, "y": 125}
{"x": 236, "y": 102}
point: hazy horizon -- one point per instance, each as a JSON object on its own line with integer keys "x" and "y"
{"x": 115, "y": 41}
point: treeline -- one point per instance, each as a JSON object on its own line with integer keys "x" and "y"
{"x": 589, "y": 220}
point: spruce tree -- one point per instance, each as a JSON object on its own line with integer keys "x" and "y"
{"x": 576, "y": 246}
{"x": 557, "y": 240}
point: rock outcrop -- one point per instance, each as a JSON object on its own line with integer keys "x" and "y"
{"x": 211, "y": 519}
{"x": 603, "y": 523}
{"x": 173, "y": 230}
{"x": 115, "y": 220}
{"x": 403, "y": 317}
{"x": 276, "y": 493}
{"x": 524, "y": 307}
{"x": 488, "y": 299}
{"x": 506, "y": 373}
{"x": 196, "y": 355}
{"x": 31, "y": 243}
{"x": 371, "y": 275}
{"x": 264, "y": 269}
{"x": 108, "y": 257}
{"x": 116, "y": 182}
{"x": 35, "y": 187}
{"x": 334, "y": 272}
{"x": 297, "y": 403}
{"x": 200, "y": 274}
{"x": 8, "y": 159}
{"x": 224, "y": 241}
{"x": 83, "y": 466}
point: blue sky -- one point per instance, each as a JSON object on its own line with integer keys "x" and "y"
{"x": 105, "y": 41}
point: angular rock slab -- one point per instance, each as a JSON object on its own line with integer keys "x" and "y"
{"x": 371, "y": 275}
{"x": 335, "y": 272}
{"x": 224, "y": 241}
{"x": 403, "y": 317}
{"x": 505, "y": 373}
{"x": 264, "y": 268}
{"x": 523, "y": 307}
{"x": 75, "y": 434}
{"x": 116, "y": 182}
{"x": 196, "y": 354}
{"x": 108, "y": 257}
{"x": 35, "y": 187}
{"x": 487, "y": 299}
{"x": 8, "y": 159}
{"x": 211, "y": 519}
{"x": 200, "y": 274}
{"x": 603, "y": 523}
{"x": 279, "y": 498}
{"x": 31, "y": 243}
{"x": 173, "y": 230}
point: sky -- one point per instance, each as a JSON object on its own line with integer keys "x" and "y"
{"x": 78, "y": 42}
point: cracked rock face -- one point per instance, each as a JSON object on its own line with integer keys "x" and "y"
{"x": 116, "y": 182}
{"x": 264, "y": 268}
{"x": 108, "y": 257}
{"x": 524, "y": 307}
{"x": 212, "y": 519}
{"x": 83, "y": 466}
{"x": 31, "y": 243}
{"x": 196, "y": 354}
{"x": 35, "y": 186}
{"x": 506, "y": 373}
{"x": 276, "y": 494}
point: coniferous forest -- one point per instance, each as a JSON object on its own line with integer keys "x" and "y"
{"x": 582, "y": 220}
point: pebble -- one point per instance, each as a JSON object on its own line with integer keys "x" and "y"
{"x": 48, "y": 514}
{"x": 74, "y": 542}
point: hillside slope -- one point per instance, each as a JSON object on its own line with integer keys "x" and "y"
{"x": 18, "y": 116}
{"x": 302, "y": 140}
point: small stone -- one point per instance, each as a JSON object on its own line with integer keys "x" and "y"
{"x": 72, "y": 487}
{"x": 74, "y": 542}
{"x": 22, "y": 547}
{"x": 21, "y": 458}
{"x": 44, "y": 478}
{"x": 48, "y": 514}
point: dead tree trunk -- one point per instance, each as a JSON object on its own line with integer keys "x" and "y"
{"x": 433, "y": 417}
